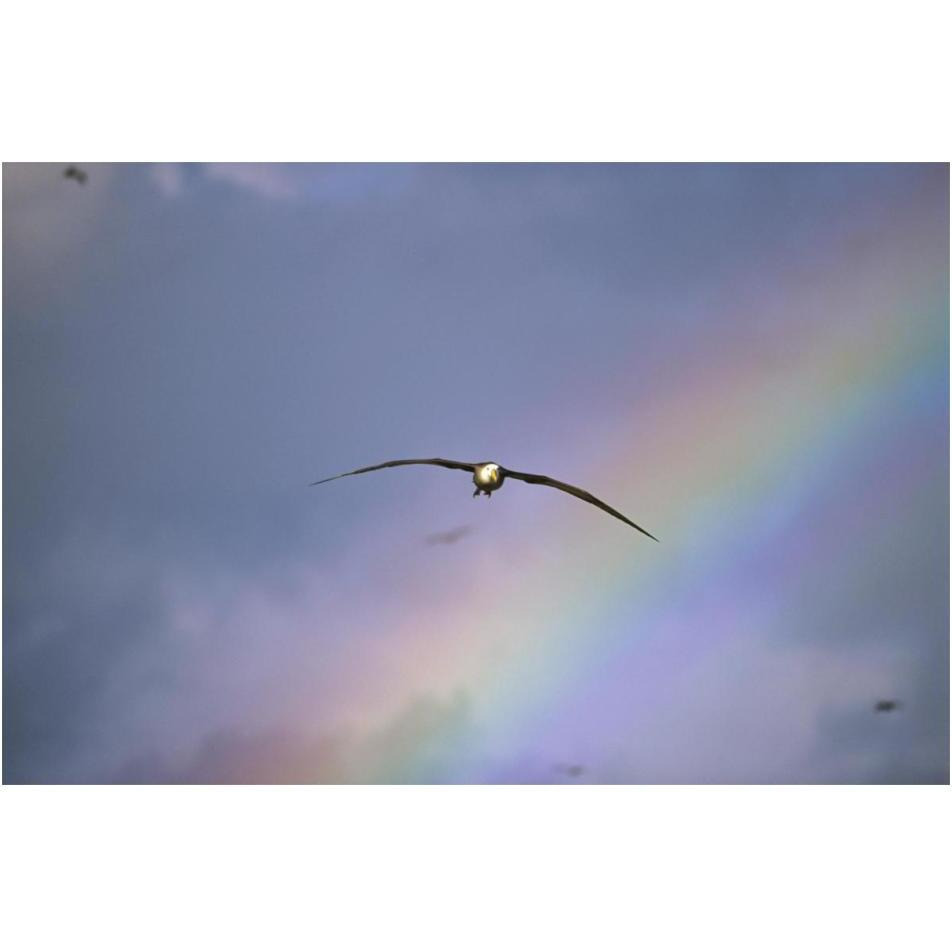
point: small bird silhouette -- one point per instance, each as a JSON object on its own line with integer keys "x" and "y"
{"x": 887, "y": 704}
{"x": 570, "y": 770}
{"x": 448, "y": 537}
{"x": 74, "y": 172}
{"x": 488, "y": 477}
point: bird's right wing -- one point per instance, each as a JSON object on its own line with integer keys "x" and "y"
{"x": 436, "y": 461}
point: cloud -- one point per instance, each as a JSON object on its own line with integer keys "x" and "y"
{"x": 241, "y": 756}
{"x": 168, "y": 178}
{"x": 88, "y": 645}
{"x": 268, "y": 181}
{"x": 324, "y": 183}
{"x": 429, "y": 739}
{"x": 426, "y": 740}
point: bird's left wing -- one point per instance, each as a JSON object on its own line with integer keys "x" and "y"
{"x": 436, "y": 461}
{"x": 574, "y": 491}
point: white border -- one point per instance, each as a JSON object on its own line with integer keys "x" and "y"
{"x": 374, "y": 81}
{"x": 476, "y": 867}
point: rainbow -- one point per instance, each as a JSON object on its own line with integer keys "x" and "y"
{"x": 729, "y": 461}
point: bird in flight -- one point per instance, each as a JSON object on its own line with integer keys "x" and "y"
{"x": 488, "y": 477}
{"x": 448, "y": 537}
{"x": 75, "y": 173}
{"x": 882, "y": 707}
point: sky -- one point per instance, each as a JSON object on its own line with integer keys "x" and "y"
{"x": 750, "y": 361}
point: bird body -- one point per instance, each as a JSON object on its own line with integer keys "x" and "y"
{"x": 488, "y": 477}
{"x": 448, "y": 537}
{"x": 75, "y": 173}
{"x": 886, "y": 705}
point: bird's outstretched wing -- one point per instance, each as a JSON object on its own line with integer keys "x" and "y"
{"x": 574, "y": 491}
{"x": 436, "y": 461}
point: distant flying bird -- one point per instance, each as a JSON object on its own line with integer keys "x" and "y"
{"x": 488, "y": 477}
{"x": 448, "y": 537}
{"x": 570, "y": 770}
{"x": 75, "y": 173}
{"x": 886, "y": 705}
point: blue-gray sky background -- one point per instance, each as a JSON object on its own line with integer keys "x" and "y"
{"x": 751, "y": 361}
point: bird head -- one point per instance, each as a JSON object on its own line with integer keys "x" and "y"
{"x": 489, "y": 474}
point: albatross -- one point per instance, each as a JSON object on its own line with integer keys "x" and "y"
{"x": 488, "y": 477}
